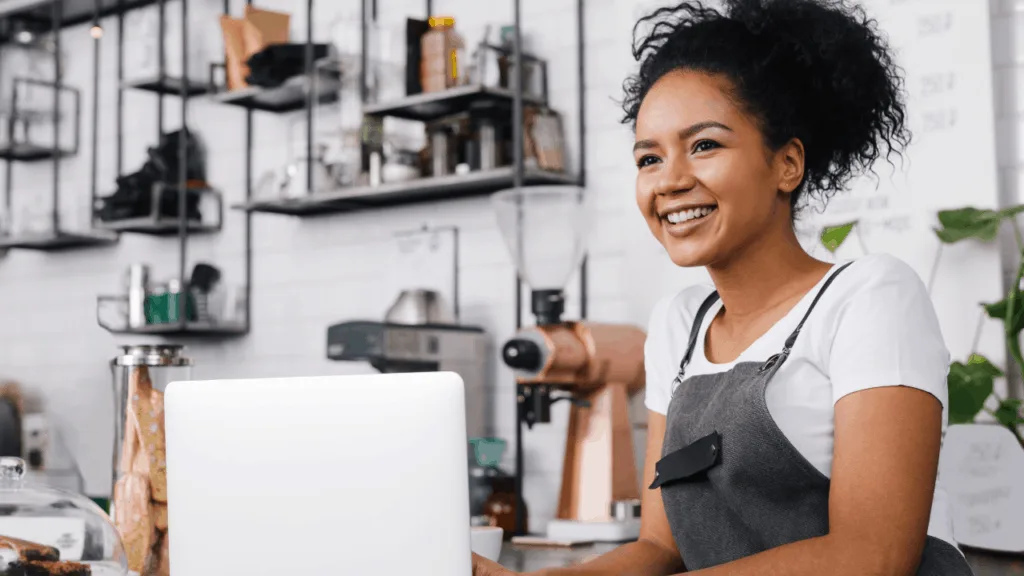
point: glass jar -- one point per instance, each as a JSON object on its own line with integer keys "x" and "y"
{"x": 139, "y": 503}
{"x": 45, "y": 530}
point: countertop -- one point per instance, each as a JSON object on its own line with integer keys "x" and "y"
{"x": 530, "y": 558}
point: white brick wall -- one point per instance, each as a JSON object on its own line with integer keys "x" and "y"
{"x": 312, "y": 272}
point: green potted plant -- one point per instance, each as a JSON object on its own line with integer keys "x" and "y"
{"x": 972, "y": 383}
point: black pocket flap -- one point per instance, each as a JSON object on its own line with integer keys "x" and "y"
{"x": 688, "y": 461}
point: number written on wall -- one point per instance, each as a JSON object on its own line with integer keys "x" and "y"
{"x": 447, "y": 22}
{"x": 932, "y": 24}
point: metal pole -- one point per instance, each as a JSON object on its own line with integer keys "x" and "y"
{"x": 182, "y": 167}
{"x": 162, "y": 76}
{"x": 309, "y": 95}
{"x": 120, "y": 87}
{"x": 517, "y": 182}
{"x": 95, "y": 116}
{"x": 57, "y": 73}
{"x": 248, "y": 214}
{"x": 581, "y": 88}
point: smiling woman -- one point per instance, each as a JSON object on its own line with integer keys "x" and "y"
{"x": 796, "y": 407}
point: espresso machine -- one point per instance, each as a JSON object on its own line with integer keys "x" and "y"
{"x": 596, "y": 367}
{"x": 419, "y": 334}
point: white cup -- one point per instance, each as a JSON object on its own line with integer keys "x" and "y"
{"x": 486, "y": 541}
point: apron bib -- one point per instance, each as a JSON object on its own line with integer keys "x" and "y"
{"x": 732, "y": 483}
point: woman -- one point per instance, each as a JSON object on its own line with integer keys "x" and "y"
{"x": 796, "y": 408}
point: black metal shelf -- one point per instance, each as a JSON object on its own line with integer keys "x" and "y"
{"x": 32, "y": 153}
{"x": 62, "y": 240}
{"x": 290, "y": 96}
{"x": 168, "y": 86}
{"x": 198, "y": 329}
{"x": 157, "y": 226}
{"x": 420, "y": 190}
{"x": 37, "y": 17}
{"x": 432, "y": 105}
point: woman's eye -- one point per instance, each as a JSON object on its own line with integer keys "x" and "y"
{"x": 646, "y": 161}
{"x": 705, "y": 145}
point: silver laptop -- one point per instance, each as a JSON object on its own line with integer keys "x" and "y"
{"x": 355, "y": 475}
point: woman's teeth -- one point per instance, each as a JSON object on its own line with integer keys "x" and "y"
{"x": 691, "y": 214}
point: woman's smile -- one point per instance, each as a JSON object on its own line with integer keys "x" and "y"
{"x": 688, "y": 220}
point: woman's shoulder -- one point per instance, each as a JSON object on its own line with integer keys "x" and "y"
{"x": 874, "y": 272}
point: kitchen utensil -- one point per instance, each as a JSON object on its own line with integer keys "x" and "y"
{"x": 138, "y": 282}
{"x": 440, "y": 148}
{"x": 418, "y": 307}
{"x": 596, "y": 366}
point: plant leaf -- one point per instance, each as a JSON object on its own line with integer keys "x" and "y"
{"x": 832, "y": 237}
{"x": 969, "y": 386}
{"x": 968, "y": 223}
{"x": 997, "y": 311}
{"x": 1008, "y": 413}
{"x": 1011, "y": 211}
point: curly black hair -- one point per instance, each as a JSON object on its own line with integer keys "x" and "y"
{"x": 816, "y": 70}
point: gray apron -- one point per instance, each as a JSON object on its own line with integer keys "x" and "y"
{"x": 732, "y": 484}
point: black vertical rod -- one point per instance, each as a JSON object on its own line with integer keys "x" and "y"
{"x": 95, "y": 116}
{"x": 517, "y": 182}
{"x": 309, "y": 95}
{"x": 364, "y": 59}
{"x": 582, "y": 104}
{"x": 9, "y": 161}
{"x": 162, "y": 63}
{"x": 57, "y": 77}
{"x": 430, "y": 8}
{"x": 182, "y": 168}
{"x": 248, "y": 214}
{"x": 120, "y": 87}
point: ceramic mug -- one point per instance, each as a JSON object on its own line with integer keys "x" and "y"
{"x": 486, "y": 541}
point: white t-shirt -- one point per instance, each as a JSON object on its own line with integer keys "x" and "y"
{"x": 874, "y": 326}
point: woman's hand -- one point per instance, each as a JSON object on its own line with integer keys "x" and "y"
{"x": 484, "y": 567}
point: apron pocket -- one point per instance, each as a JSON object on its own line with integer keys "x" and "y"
{"x": 689, "y": 461}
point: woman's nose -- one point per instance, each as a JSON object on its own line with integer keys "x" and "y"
{"x": 675, "y": 177}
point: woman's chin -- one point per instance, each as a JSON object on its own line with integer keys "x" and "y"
{"x": 688, "y": 258}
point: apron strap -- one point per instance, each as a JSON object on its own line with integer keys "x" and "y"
{"x": 796, "y": 332}
{"x": 776, "y": 360}
{"x": 698, "y": 320}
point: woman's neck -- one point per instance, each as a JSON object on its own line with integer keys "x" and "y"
{"x": 767, "y": 274}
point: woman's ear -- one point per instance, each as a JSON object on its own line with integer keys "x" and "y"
{"x": 790, "y": 163}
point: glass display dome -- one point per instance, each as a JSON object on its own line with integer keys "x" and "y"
{"x": 45, "y": 531}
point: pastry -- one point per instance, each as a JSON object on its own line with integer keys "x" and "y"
{"x": 159, "y": 513}
{"x": 149, "y": 414}
{"x": 133, "y": 520}
{"x": 163, "y": 557}
{"x": 30, "y": 550}
{"x": 47, "y": 568}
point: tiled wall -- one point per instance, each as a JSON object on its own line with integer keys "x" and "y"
{"x": 309, "y": 273}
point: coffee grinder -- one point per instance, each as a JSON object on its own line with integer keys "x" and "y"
{"x": 596, "y": 367}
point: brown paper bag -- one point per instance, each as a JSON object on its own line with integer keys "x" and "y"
{"x": 247, "y": 36}
{"x": 235, "y": 67}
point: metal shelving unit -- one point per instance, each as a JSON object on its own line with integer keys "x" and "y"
{"x": 57, "y": 238}
{"x": 181, "y": 226}
{"x": 424, "y": 107}
{"x": 324, "y": 83}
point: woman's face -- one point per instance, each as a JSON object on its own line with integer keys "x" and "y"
{"x": 706, "y": 183}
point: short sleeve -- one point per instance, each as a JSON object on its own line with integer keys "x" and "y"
{"x": 887, "y": 334}
{"x": 658, "y": 358}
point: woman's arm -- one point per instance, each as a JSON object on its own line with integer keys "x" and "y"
{"x": 655, "y": 553}
{"x": 885, "y": 462}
